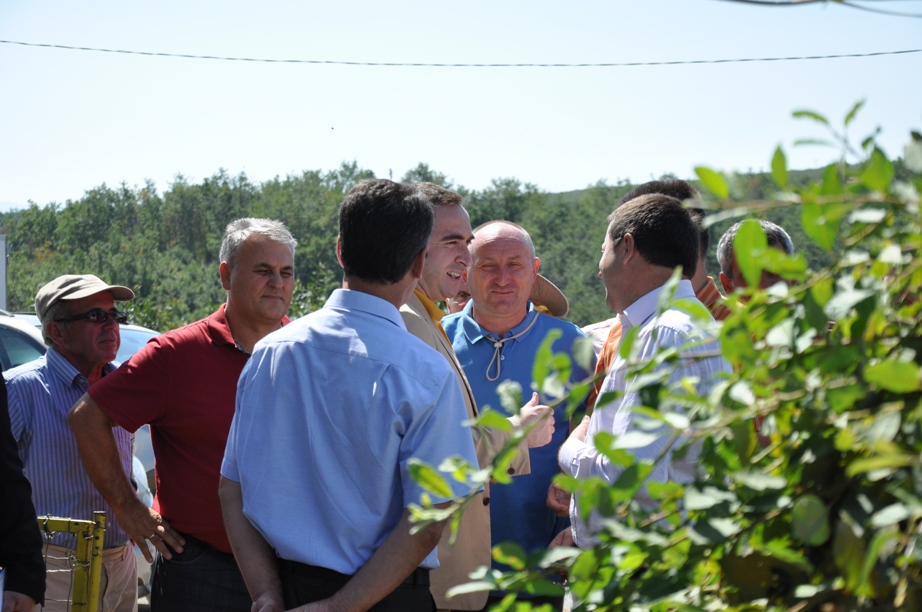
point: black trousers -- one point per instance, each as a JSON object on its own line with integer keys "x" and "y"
{"x": 303, "y": 584}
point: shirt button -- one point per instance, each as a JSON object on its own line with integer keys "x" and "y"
{"x": 510, "y": 471}
{"x": 486, "y": 501}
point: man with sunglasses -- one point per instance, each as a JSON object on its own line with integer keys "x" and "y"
{"x": 80, "y": 326}
{"x": 184, "y": 384}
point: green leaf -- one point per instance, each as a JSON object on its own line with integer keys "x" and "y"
{"x": 854, "y": 111}
{"x": 749, "y": 246}
{"x": 430, "y": 480}
{"x": 759, "y": 481}
{"x": 511, "y": 554}
{"x": 879, "y": 462}
{"x": 832, "y": 181}
{"x": 821, "y": 222}
{"x": 890, "y": 515}
{"x": 780, "y": 168}
{"x": 713, "y": 182}
{"x": 812, "y": 141}
{"x": 541, "y": 366}
{"x": 808, "y": 114}
{"x": 848, "y": 553}
{"x": 810, "y": 520}
{"x": 493, "y": 419}
{"x": 867, "y": 215}
{"x": 878, "y": 173}
{"x": 707, "y": 497}
{"x": 896, "y": 376}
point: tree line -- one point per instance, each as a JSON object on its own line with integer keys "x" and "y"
{"x": 165, "y": 245}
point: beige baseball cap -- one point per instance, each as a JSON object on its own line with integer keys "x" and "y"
{"x": 74, "y": 287}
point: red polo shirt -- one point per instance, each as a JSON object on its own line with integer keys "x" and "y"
{"x": 184, "y": 384}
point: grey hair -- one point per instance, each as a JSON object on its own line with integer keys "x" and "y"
{"x": 776, "y": 235}
{"x": 238, "y": 231}
{"x": 58, "y": 310}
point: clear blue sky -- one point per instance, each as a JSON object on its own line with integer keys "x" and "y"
{"x": 72, "y": 120}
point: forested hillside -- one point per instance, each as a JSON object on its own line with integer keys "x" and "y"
{"x": 165, "y": 245}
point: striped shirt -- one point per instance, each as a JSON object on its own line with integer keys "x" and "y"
{"x": 40, "y": 394}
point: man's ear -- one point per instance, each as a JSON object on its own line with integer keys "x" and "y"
{"x": 417, "y": 268}
{"x": 339, "y": 252}
{"x": 727, "y": 285}
{"x": 225, "y": 271}
{"x": 537, "y": 267}
{"x": 630, "y": 247}
{"x": 53, "y": 331}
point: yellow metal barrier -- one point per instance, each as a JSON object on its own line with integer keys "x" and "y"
{"x": 87, "y": 559}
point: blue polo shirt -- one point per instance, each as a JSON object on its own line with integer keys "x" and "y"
{"x": 518, "y": 511}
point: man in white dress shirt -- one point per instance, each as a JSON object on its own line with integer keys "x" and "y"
{"x": 647, "y": 238}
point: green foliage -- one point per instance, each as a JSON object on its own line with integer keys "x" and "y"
{"x": 827, "y": 513}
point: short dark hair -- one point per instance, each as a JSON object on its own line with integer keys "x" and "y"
{"x": 438, "y": 195}
{"x": 680, "y": 190}
{"x": 664, "y": 233}
{"x": 383, "y": 226}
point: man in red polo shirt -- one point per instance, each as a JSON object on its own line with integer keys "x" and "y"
{"x": 184, "y": 384}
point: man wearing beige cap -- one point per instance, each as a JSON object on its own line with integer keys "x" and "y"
{"x": 80, "y": 324}
{"x": 496, "y": 339}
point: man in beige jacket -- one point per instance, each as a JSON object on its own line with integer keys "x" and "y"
{"x": 447, "y": 260}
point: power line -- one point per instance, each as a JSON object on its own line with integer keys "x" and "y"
{"x": 461, "y": 65}
{"x": 854, "y": 5}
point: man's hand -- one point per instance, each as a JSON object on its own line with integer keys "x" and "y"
{"x": 17, "y": 602}
{"x": 579, "y": 433}
{"x": 558, "y": 500}
{"x": 268, "y": 601}
{"x": 564, "y": 538}
{"x": 143, "y": 523}
{"x": 542, "y": 417}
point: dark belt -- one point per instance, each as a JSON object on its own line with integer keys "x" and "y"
{"x": 419, "y": 577}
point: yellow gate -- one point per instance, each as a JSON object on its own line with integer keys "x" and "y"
{"x": 87, "y": 559}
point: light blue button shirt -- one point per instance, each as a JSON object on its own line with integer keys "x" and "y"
{"x": 40, "y": 394}
{"x": 330, "y": 410}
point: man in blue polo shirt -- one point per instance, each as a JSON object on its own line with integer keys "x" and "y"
{"x": 496, "y": 338}
{"x": 331, "y": 412}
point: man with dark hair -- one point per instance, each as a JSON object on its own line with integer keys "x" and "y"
{"x": 446, "y": 262}
{"x": 705, "y": 288}
{"x": 730, "y": 276}
{"x": 80, "y": 324}
{"x": 333, "y": 411}
{"x": 183, "y": 384}
{"x": 647, "y": 238}
{"x": 496, "y": 338}
{"x": 20, "y": 539}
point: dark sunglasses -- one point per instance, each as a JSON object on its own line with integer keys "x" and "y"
{"x": 97, "y": 315}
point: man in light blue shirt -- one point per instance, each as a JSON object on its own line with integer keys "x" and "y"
{"x": 647, "y": 238}
{"x": 80, "y": 325}
{"x": 496, "y": 338}
{"x": 332, "y": 410}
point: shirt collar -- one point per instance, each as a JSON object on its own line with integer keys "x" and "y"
{"x": 349, "y": 299}
{"x": 67, "y": 373}
{"x": 645, "y": 307}
{"x": 434, "y": 311}
{"x": 474, "y": 333}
